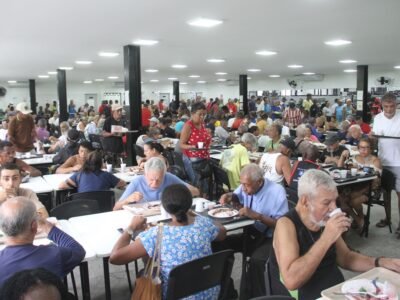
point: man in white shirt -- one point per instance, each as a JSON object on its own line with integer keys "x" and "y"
{"x": 387, "y": 123}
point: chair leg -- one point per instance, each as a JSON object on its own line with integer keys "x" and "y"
{"x": 74, "y": 285}
{"x": 128, "y": 275}
{"x": 388, "y": 208}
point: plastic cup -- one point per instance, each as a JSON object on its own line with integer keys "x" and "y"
{"x": 343, "y": 173}
{"x": 123, "y": 168}
{"x": 211, "y": 205}
{"x": 353, "y": 172}
{"x": 109, "y": 168}
{"x": 334, "y": 212}
{"x": 200, "y": 145}
{"x": 27, "y": 154}
{"x": 199, "y": 206}
{"x": 299, "y": 158}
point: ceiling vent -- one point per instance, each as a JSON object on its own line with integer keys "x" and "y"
{"x": 315, "y": 77}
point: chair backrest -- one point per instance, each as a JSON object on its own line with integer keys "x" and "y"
{"x": 139, "y": 151}
{"x": 220, "y": 179}
{"x": 105, "y": 199}
{"x": 95, "y": 139}
{"x": 75, "y": 208}
{"x": 178, "y": 161}
{"x": 201, "y": 274}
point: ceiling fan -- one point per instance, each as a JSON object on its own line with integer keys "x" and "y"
{"x": 385, "y": 80}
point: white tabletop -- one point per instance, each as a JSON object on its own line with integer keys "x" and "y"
{"x": 38, "y": 185}
{"x": 127, "y": 177}
{"x": 356, "y": 181}
{"x": 54, "y": 180}
{"x": 46, "y": 159}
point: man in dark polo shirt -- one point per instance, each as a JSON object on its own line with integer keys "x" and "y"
{"x": 112, "y": 141}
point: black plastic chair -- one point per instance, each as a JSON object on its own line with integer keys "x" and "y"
{"x": 139, "y": 151}
{"x": 220, "y": 179}
{"x": 281, "y": 290}
{"x": 105, "y": 199}
{"x": 201, "y": 274}
{"x": 95, "y": 140}
{"x": 178, "y": 161}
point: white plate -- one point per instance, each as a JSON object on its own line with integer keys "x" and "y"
{"x": 362, "y": 285}
{"x": 223, "y": 213}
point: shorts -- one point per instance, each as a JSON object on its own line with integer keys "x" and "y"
{"x": 396, "y": 172}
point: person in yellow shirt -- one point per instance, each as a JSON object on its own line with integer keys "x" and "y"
{"x": 308, "y": 103}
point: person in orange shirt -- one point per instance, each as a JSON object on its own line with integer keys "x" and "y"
{"x": 146, "y": 115}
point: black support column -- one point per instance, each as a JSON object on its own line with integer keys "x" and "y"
{"x": 243, "y": 92}
{"x": 62, "y": 94}
{"x": 32, "y": 95}
{"x": 133, "y": 90}
{"x": 362, "y": 93}
{"x": 175, "y": 91}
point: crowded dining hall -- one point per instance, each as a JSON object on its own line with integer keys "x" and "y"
{"x": 159, "y": 150}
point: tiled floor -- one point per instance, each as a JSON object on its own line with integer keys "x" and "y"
{"x": 379, "y": 243}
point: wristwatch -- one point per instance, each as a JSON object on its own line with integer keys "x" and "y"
{"x": 132, "y": 233}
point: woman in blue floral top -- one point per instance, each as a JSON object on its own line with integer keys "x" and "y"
{"x": 185, "y": 238}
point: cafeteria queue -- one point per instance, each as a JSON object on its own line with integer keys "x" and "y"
{"x": 280, "y": 173}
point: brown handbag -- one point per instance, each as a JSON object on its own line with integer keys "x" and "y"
{"x": 148, "y": 286}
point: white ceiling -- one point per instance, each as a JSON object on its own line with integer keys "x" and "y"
{"x": 39, "y": 36}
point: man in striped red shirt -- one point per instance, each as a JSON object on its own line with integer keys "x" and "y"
{"x": 292, "y": 115}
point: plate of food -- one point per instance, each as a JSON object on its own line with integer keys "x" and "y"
{"x": 369, "y": 289}
{"x": 223, "y": 212}
{"x": 144, "y": 209}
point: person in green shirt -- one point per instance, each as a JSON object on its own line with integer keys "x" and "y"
{"x": 274, "y": 132}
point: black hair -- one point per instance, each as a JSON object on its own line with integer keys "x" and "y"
{"x": 155, "y": 145}
{"x": 197, "y": 106}
{"x": 9, "y": 166}
{"x": 93, "y": 162}
{"x": 21, "y": 282}
{"x": 278, "y": 128}
{"x": 86, "y": 145}
{"x": 4, "y": 144}
{"x": 253, "y": 129}
{"x": 177, "y": 200}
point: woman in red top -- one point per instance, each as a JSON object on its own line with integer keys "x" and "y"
{"x": 194, "y": 133}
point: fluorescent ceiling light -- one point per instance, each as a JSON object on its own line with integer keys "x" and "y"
{"x": 154, "y": 80}
{"x": 216, "y": 60}
{"x": 141, "y": 82}
{"x": 194, "y": 76}
{"x": 145, "y": 42}
{"x": 113, "y": 77}
{"x": 248, "y": 78}
{"x": 253, "y": 70}
{"x": 108, "y": 54}
{"x": 43, "y": 76}
{"x": 203, "y": 22}
{"x": 201, "y": 81}
{"x": 347, "y": 61}
{"x": 52, "y": 72}
{"x": 221, "y": 79}
{"x": 308, "y": 73}
{"x": 151, "y": 71}
{"x": 266, "y": 52}
{"x": 397, "y": 67}
{"x": 183, "y": 83}
{"x": 12, "y": 81}
{"x": 172, "y": 78}
{"x": 295, "y": 66}
{"x": 66, "y": 68}
{"x": 88, "y": 82}
{"x": 350, "y": 71}
{"x": 179, "y": 66}
{"x": 274, "y": 76}
{"x": 337, "y": 43}
{"x": 83, "y": 62}
{"x": 99, "y": 79}
{"x": 221, "y": 73}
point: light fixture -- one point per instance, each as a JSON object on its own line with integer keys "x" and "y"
{"x": 154, "y": 80}
{"x": 145, "y": 42}
{"x": 12, "y": 81}
{"x": 151, "y": 71}
{"x": 201, "y": 81}
{"x": 52, "y": 72}
{"x": 248, "y": 78}
{"x": 203, "y": 22}
{"x": 194, "y": 76}
{"x": 337, "y": 42}
{"x": 179, "y": 66}
{"x": 350, "y": 71}
{"x": 274, "y": 76}
{"x": 172, "y": 78}
{"x": 308, "y": 73}
{"x": 108, "y": 54}
{"x": 113, "y": 77}
{"x": 43, "y": 76}
{"x": 295, "y": 66}
{"x": 221, "y": 73}
{"x": 184, "y": 83}
{"x": 83, "y": 62}
{"x": 216, "y": 60}
{"x": 99, "y": 79}
{"x": 266, "y": 53}
{"x": 221, "y": 79}
{"x": 253, "y": 70}
{"x": 347, "y": 61}
{"x": 397, "y": 67}
{"x": 88, "y": 82}
{"x": 66, "y": 68}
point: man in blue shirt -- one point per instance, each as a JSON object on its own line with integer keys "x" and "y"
{"x": 265, "y": 202}
{"x": 20, "y": 224}
{"x": 148, "y": 187}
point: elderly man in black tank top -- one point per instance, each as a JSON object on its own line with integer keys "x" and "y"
{"x": 308, "y": 248}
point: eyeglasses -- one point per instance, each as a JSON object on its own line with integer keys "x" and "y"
{"x": 364, "y": 148}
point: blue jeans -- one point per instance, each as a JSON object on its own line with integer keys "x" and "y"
{"x": 188, "y": 168}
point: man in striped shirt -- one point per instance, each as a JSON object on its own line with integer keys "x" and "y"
{"x": 292, "y": 115}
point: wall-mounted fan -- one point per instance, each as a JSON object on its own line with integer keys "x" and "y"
{"x": 3, "y": 91}
{"x": 384, "y": 80}
{"x": 292, "y": 83}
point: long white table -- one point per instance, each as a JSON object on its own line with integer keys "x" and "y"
{"x": 46, "y": 159}
{"x": 54, "y": 180}
{"x": 38, "y": 184}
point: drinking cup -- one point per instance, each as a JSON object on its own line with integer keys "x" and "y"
{"x": 353, "y": 171}
{"x": 123, "y": 168}
{"x": 343, "y": 173}
{"x": 200, "y": 145}
{"x": 109, "y": 168}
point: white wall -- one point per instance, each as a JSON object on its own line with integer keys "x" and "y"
{"x": 46, "y": 92}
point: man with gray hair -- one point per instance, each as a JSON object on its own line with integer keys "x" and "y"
{"x": 148, "y": 187}
{"x": 308, "y": 247}
{"x": 235, "y": 158}
{"x": 20, "y": 223}
{"x": 354, "y": 135}
{"x": 264, "y": 202}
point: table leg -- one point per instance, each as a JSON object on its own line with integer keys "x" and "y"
{"x": 84, "y": 270}
{"x": 107, "y": 278}
{"x": 365, "y": 229}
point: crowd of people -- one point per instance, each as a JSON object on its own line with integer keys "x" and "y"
{"x": 274, "y": 157}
